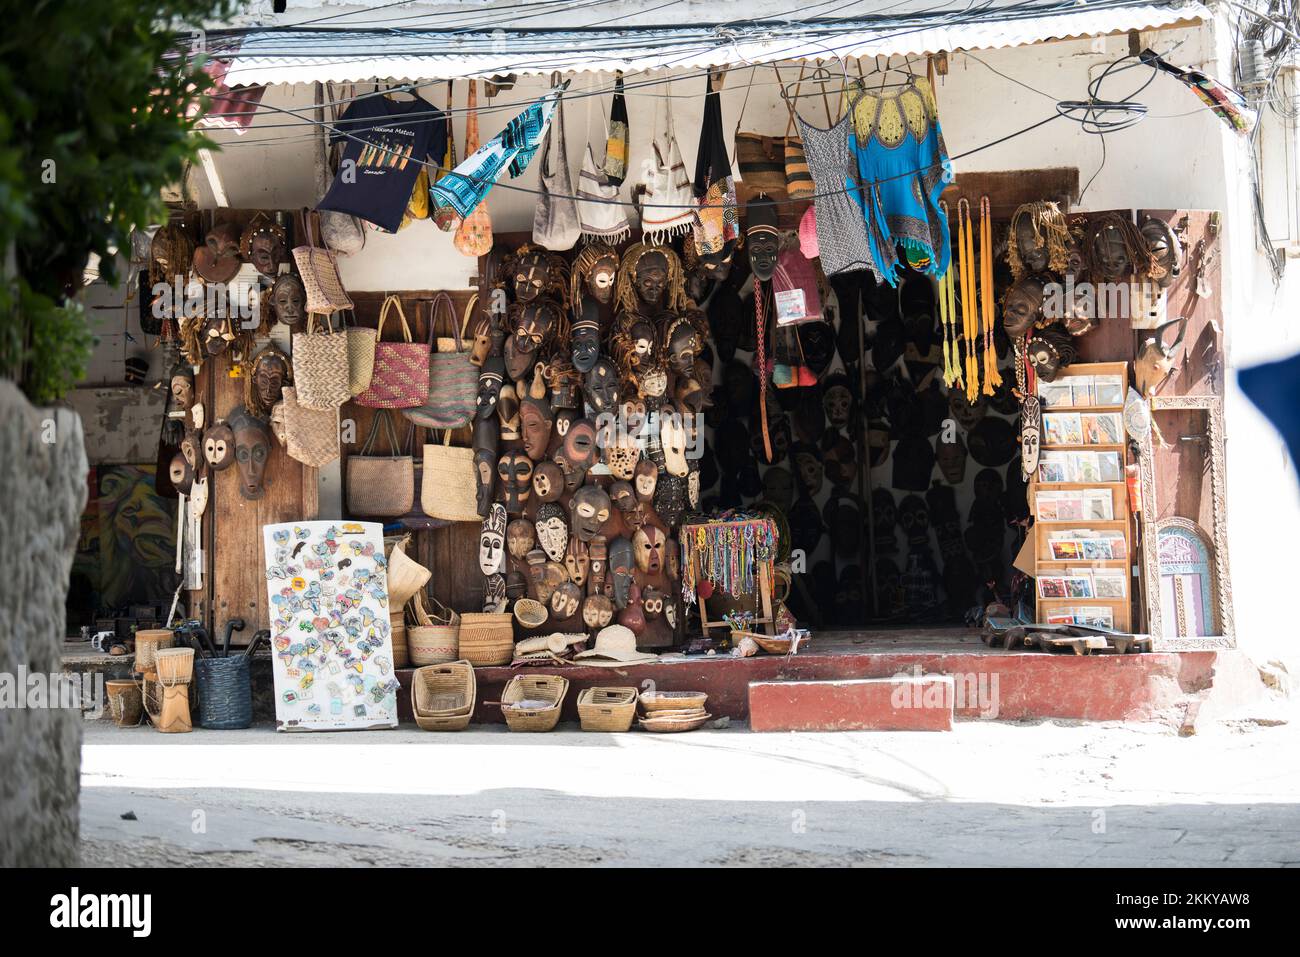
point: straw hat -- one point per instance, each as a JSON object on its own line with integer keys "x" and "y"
{"x": 615, "y": 644}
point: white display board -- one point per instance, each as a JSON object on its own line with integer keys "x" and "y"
{"x": 330, "y": 635}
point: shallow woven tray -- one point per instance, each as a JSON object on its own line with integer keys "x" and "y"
{"x": 672, "y": 725}
{"x": 652, "y": 701}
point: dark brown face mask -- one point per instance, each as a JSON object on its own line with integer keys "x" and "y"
{"x": 683, "y": 347}
{"x": 288, "y": 299}
{"x": 1023, "y": 306}
{"x": 181, "y": 474}
{"x": 536, "y": 418}
{"x": 651, "y": 277}
{"x": 252, "y": 448}
{"x": 548, "y": 482}
{"x": 217, "y": 260}
{"x": 601, "y": 386}
{"x": 588, "y": 511}
{"x": 515, "y": 471}
{"x": 579, "y": 446}
{"x": 485, "y": 479}
{"x": 620, "y": 567}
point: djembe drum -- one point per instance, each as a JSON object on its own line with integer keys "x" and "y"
{"x": 148, "y": 642}
{"x": 175, "y": 672}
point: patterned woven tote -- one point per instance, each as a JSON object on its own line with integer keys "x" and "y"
{"x": 320, "y": 367}
{"x": 474, "y": 234}
{"x": 453, "y": 378}
{"x": 320, "y": 274}
{"x": 310, "y": 436}
{"x": 361, "y": 357}
{"x": 401, "y": 374}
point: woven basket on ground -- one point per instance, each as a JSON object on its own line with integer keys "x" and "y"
{"x": 443, "y": 696}
{"x": 548, "y": 689}
{"x": 606, "y": 709}
{"x": 487, "y": 638}
{"x": 652, "y": 701}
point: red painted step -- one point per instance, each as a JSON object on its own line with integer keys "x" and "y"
{"x": 899, "y": 703}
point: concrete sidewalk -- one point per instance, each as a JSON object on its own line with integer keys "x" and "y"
{"x": 987, "y": 794}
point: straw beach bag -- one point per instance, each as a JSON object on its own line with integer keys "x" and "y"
{"x": 311, "y": 436}
{"x": 361, "y": 356}
{"x": 401, "y": 369}
{"x": 320, "y": 367}
{"x": 447, "y": 488}
{"x": 381, "y": 485}
{"x": 432, "y": 639}
{"x": 320, "y": 274}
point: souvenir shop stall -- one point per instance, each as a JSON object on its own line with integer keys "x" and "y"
{"x": 808, "y": 383}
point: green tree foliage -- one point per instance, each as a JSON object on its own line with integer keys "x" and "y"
{"x": 96, "y": 103}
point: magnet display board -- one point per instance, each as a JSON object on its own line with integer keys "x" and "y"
{"x": 327, "y": 583}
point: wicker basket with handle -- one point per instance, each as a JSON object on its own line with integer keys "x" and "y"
{"x": 447, "y": 487}
{"x": 487, "y": 638}
{"x": 381, "y": 485}
{"x": 320, "y": 367}
{"x": 432, "y": 639}
{"x": 547, "y": 689}
{"x": 443, "y": 696}
{"x": 606, "y": 709}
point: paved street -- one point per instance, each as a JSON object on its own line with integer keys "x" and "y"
{"x": 988, "y": 794}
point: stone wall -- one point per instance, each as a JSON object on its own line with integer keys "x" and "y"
{"x": 42, "y": 494}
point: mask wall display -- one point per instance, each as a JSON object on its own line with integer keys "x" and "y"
{"x": 219, "y": 447}
{"x": 217, "y": 260}
{"x": 589, "y": 509}
{"x": 520, "y": 538}
{"x": 762, "y": 236}
{"x": 548, "y": 482}
{"x": 265, "y": 379}
{"x": 1049, "y": 351}
{"x": 515, "y": 472}
{"x": 263, "y": 245}
{"x": 1158, "y": 357}
{"x": 621, "y": 563}
{"x": 552, "y": 530}
{"x": 491, "y": 544}
{"x": 288, "y": 300}
{"x": 252, "y": 448}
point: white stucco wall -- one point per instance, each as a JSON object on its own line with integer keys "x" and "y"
{"x": 1181, "y": 156}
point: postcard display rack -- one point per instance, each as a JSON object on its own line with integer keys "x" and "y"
{"x": 1083, "y": 538}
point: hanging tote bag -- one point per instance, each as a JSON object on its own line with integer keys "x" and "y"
{"x": 320, "y": 367}
{"x": 311, "y": 436}
{"x": 361, "y": 356}
{"x": 380, "y": 486}
{"x": 798, "y": 177}
{"x": 474, "y": 234}
{"x": 556, "y": 225}
{"x": 447, "y": 488}
{"x": 401, "y": 374}
{"x": 320, "y": 274}
{"x": 453, "y": 378}
{"x": 762, "y": 162}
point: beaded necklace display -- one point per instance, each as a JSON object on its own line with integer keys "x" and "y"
{"x": 992, "y": 378}
{"x": 760, "y": 336}
{"x": 727, "y": 554}
{"x": 948, "y": 319}
{"x": 969, "y": 319}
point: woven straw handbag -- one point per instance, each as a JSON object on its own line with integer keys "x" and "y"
{"x": 320, "y": 274}
{"x": 380, "y": 486}
{"x": 320, "y": 367}
{"x": 401, "y": 372}
{"x": 447, "y": 488}
{"x": 311, "y": 436}
{"x": 361, "y": 356}
{"x": 453, "y": 378}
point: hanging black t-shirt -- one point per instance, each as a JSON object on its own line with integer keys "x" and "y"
{"x": 386, "y": 142}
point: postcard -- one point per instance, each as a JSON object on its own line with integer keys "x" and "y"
{"x": 1052, "y": 588}
{"x": 1110, "y": 467}
{"x": 1053, "y": 467}
{"x": 1109, "y": 583}
{"x": 1055, "y": 395}
{"x": 1098, "y": 505}
{"x": 1108, "y": 390}
{"x": 1078, "y": 587}
{"x": 1095, "y": 549}
{"x": 1101, "y": 428}
{"x": 1062, "y": 428}
{"x": 1081, "y": 391}
{"x": 1064, "y": 551}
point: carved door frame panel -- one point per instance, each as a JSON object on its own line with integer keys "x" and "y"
{"x": 1217, "y": 541}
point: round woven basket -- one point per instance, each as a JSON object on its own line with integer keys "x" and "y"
{"x": 487, "y": 638}
{"x": 530, "y": 613}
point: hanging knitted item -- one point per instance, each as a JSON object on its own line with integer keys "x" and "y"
{"x": 602, "y": 216}
{"x": 716, "y": 222}
{"x": 667, "y": 201}
{"x": 615, "y": 168}
{"x": 992, "y": 378}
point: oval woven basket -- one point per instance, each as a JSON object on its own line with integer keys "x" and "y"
{"x": 487, "y": 638}
{"x": 443, "y": 696}
{"x": 652, "y": 701}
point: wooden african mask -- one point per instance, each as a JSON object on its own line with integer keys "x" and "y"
{"x": 585, "y": 338}
{"x": 217, "y": 260}
{"x": 536, "y": 419}
{"x": 565, "y": 601}
{"x": 577, "y": 559}
{"x": 508, "y": 412}
{"x": 552, "y": 530}
{"x": 672, "y": 438}
{"x": 263, "y": 245}
{"x": 270, "y": 372}
{"x": 600, "y": 386}
{"x": 647, "y": 477}
{"x": 520, "y": 537}
{"x": 252, "y": 449}
{"x": 597, "y": 612}
{"x": 683, "y": 342}
{"x": 182, "y": 393}
{"x": 485, "y": 477}
{"x": 1157, "y": 359}
{"x": 515, "y": 470}
{"x": 548, "y": 482}
{"x": 496, "y": 594}
{"x": 648, "y": 549}
{"x": 191, "y": 445}
{"x": 621, "y": 563}
{"x": 651, "y": 278}
{"x": 288, "y": 299}
{"x": 632, "y": 617}
{"x": 181, "y": 474}
{"x": 491, "y": 543}
{"x": 588, "y": 511}
{"x": 219, "y": 447}
{"x": 490, "y": 379}
{"x": 1031, "y": 432}
{"x": 530, "y": 277}
{"x": 1022, "y": 306}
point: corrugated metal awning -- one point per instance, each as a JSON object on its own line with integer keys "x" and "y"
{"x": 304, "y": 56}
